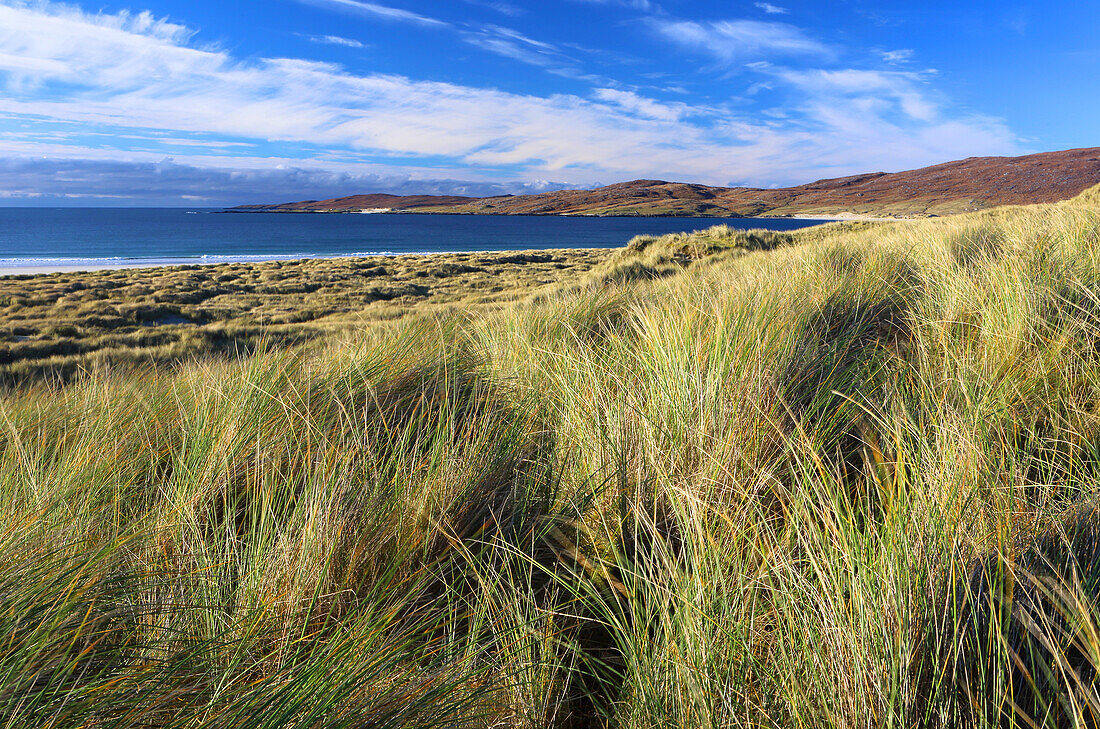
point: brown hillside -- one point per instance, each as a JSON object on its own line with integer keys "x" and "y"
{"x": 352, "y": 203}
{"x": 953, "y": 187}
{"x": 640, "y": 197}
{"x": 969, "y": 184}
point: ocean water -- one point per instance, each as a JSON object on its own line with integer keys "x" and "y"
{"x": 31, "y": 237}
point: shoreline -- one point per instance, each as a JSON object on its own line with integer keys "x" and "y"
{"x": 46, "y": 267}
{"x": 201, "y": 242}
{"x": 92, "y": 267}
{"x": 838, "y": 218}
{"x": 415, "y": 211}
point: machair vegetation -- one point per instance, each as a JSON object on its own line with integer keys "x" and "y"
{"x": 844, "y": 477}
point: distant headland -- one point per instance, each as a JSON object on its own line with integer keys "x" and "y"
{"x": 966, "y": 185}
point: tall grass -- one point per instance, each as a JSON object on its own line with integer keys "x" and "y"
{"x": 838, "y": 478}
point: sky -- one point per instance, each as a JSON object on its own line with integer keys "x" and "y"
{"x": 220, "y": 102}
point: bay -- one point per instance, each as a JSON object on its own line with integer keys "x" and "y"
{"x": 154, "y": 236}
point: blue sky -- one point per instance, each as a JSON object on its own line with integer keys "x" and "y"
{"x": 193, "y": 102}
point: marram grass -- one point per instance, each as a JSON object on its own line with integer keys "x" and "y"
{"x": 843, "y": 477}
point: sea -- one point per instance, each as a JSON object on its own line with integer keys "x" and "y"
{"x": 99, "y": 237}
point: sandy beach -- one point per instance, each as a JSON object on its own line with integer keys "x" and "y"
{"x": 35, "y": 270}
{"x": 845, "y": 217}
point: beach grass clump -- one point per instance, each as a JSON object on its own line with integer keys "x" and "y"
{"x": 840, "y": 477}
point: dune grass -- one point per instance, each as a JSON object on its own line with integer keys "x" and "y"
{"x": 58, "y": 325}
{"x": 843, "y": 477}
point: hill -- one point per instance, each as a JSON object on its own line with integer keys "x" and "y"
{"x": 965, "y": 185}
{"x": 355, "y": 203}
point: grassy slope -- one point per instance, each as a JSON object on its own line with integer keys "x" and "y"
{"x": 837, "y": 477}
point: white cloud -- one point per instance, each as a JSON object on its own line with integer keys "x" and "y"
{"x": 901, "y": 55}
{"x": 515, "y": 45}
{"x": 128, "y": 74}
{"x": 520, "y": 37}
{"x": 374, "y": 10}
{"x": 645, "y": 5}
{"x": 772, "y": 9}
{"x": 879, "y": 120}
{"x": 641, "y": 106}
{"x": 867, "y": 89}
{"x": 500, "y": 7}
{"x": 741, "y": 41}
{"x": 336, "y": 40}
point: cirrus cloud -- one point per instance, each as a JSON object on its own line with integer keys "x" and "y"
{"x": 374, "y": 10}
{"x": 741, "y": 41}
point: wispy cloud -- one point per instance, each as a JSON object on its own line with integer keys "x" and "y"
{"x": 336, "y": 40}
{"x": 901, "y": 55}
{"x": 374, "y": 10}
{"x": 856, "y": 116}
{"x": 740, "y": 41}
{"x": 515, "y": 45}
{"x": 641, "y": 106}
{"x": 501, "y": 7}
{"x": 495, "y": 39}
{"x": 1017, "y": 20}
{"x": 646, "y": 5}
{"x": 868, "y": 91}
{"x": 772, "y": 9}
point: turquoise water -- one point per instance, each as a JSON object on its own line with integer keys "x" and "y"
{"x": 97, "y": 236}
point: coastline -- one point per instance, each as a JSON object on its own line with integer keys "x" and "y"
{"x": 824, "y": 218}
{"x": 93, "y": 267}
{"x": 840, "y": 218}
{"x": 89, "y": 268}
{"x": 98, "y": 265}
{"x": 76, "y": 241}
{"x": 46, "y": 266}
